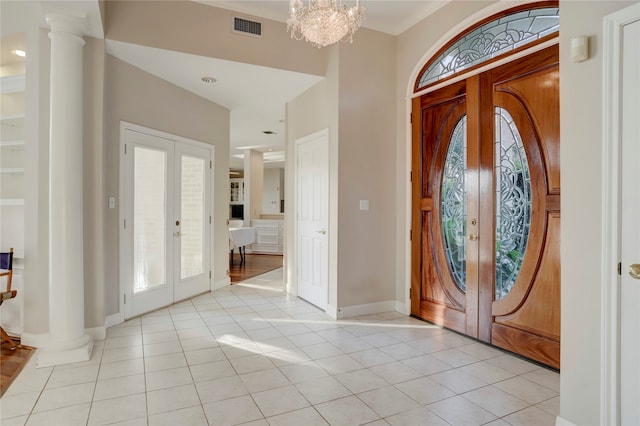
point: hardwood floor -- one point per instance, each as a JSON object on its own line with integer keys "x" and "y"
{"x": 254, "y": 264}
{"x": 12, "y": 362}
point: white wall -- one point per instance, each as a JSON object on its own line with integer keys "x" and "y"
{"x": 367, "y": 105}
{"x": 253, "y": 181}
{"x": 138, "y": 97}
{"x": 581, "y": 165}
{"x": 271, "y": 191}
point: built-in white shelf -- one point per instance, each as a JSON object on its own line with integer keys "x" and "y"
{"x": 12, "y": 144}
{"x": 12, "y": 84}
{"x": 11, "y": 202}
{"x": 12, "y": 170}
{"x": 6, "y": 117}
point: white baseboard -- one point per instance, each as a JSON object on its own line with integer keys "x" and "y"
{"x": 217, "y": 285}
{"x": 35, "y": 340}
{"x": 332, "y": 311}
{"x": 402, "y": 308}
{"x": 114, "y": 319}
{"x": 563, "y": 422}
{"x": 42, "y": 339}
{"x": 369, "y": 309}
{"x": 97, "y": 333}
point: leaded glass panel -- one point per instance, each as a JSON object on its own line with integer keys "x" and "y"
{"x": 453, "y": 203}
{"x": 490, "y": 40}
{"x": 513, "y": 202}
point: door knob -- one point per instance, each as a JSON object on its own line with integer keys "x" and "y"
{"x": 634, "y": 271}
{"x": 322, "y": 231}
{"x": 473, "y": 237}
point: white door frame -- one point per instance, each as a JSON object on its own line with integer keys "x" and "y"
{"x": 124, "y": 250}
{"x": 610, "y": 224}
{"x": 320, "y": 134}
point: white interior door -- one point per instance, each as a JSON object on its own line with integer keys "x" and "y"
{"x": 312, "y": 213}
{"x": 165, "y": 242}
{"x": 630, "y": 232}
{"x": 192, "y": 220}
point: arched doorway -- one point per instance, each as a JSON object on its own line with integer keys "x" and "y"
{"x": 486, "y": 184}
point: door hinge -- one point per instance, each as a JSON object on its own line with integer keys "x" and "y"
{"x": 210, "y": 220}
{"x": 410, "y": 176}
{"x": 209, "y": 274}
{"x": 125, "y": 224}
{"x": 410, "y": 293}
{"x": 125, "y": 149}
{"x": 210, "y": 164}
{"x": 410, "y": 234}
{"x": 125, "y": 298}
{"x": 619, "y": 268}
{"x": 411, "y": 118}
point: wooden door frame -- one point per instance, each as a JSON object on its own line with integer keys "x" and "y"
{"x": 610, "y": 224}
{"x": 410, "y": 98}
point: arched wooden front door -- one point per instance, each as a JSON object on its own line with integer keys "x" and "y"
{"x": 486, "y": 215}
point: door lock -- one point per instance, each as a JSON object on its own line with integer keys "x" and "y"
{"x": 473, "y": 237}
{"x": 634, "y": 271}
{"x": 322, "y": 231}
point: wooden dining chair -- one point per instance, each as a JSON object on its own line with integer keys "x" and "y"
{"x": 6, "y": 270}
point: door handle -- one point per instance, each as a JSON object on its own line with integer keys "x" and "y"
{"x": 634, "y": 271}
{"x": 322, "y": 231}
{"x": 472, "y": 237}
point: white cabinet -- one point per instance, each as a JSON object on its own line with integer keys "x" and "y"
{"x": 236, "y": 191}
{"x": 269, "y": 236}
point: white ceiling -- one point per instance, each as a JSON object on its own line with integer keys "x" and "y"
{"x": 255, "y": 107}
{"x": 388, "y": 16}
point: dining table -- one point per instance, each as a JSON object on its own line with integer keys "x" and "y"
{"x": 240, "y": 237}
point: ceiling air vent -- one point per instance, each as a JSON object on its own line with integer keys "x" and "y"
{"x": 247, "y": 27}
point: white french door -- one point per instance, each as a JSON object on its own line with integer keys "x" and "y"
{"x": 312, "y": 218}
{"x": 630, "y": 232}
{"x": 166, "y": 227}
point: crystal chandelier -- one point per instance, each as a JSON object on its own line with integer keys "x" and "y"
{"x": 324, "y": 22}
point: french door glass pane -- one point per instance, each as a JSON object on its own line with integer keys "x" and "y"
{"x": 192, "y": 217}
{"x": 149, "y": 218}
{"x": 453, "y": 203}
{"x": 513, "y": 202}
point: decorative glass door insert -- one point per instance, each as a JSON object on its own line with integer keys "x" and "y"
{"x": 513, "y": 202}
{"x": 453, "y": 200}
{"x": 486, "y": 196}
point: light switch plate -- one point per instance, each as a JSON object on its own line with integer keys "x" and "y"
{"x": 364, "y": 204}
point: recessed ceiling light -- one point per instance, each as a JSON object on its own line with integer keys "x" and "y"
{"x": 268, "y": 132}
{"x": 19, "y": 52}
{"x": 208, "y": 79}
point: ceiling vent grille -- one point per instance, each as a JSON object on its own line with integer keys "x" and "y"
{"x": 247, "y": 27}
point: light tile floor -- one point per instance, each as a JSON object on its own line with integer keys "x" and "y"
{"x": 249, "y": 354}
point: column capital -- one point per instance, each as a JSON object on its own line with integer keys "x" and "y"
{"x": 67, "y": 22}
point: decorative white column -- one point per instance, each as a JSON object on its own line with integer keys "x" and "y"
{"x": 68, "y": 341}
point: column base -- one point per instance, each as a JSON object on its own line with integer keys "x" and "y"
{"x": 77, "y": 351}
